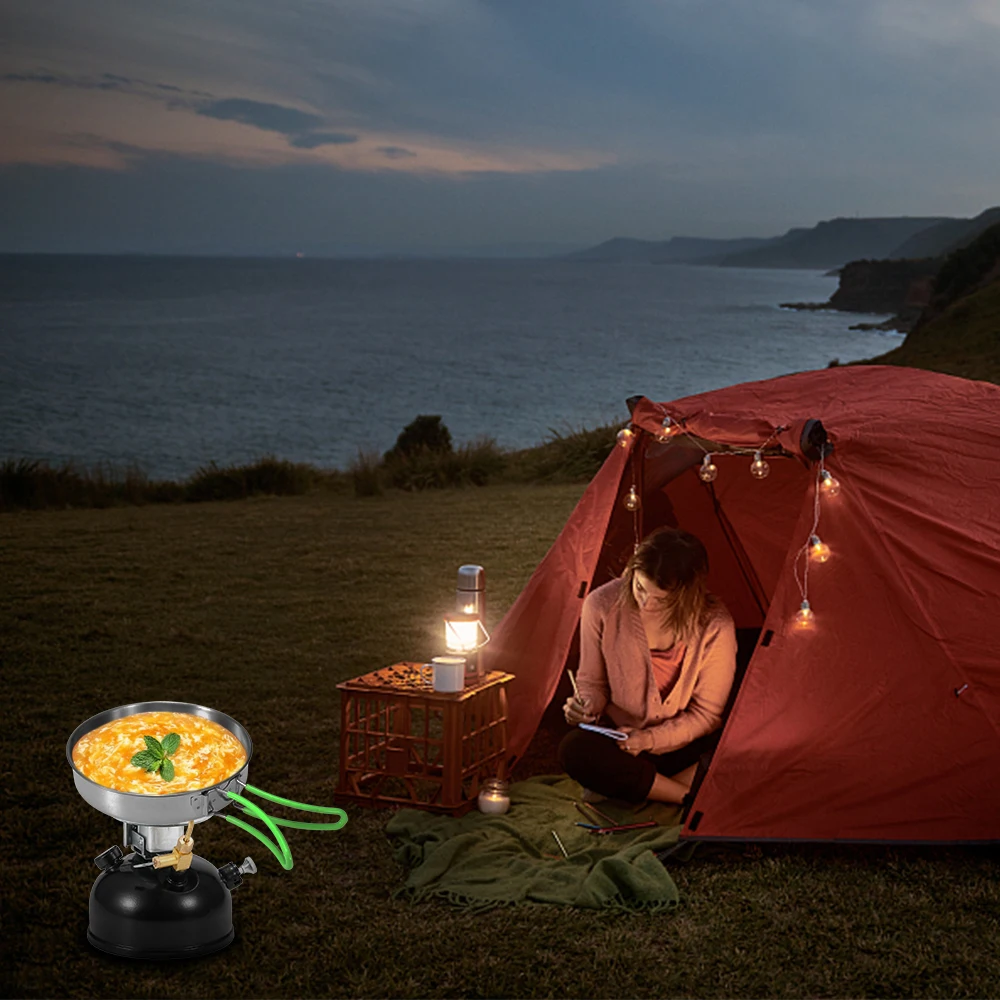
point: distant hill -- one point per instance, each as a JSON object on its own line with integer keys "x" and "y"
{"x": 958, "y": 331}
{"x": 833, "y": 243}
{"x": 677, "y": 250}
{"x": 692, "y": 250}
{"x": 620, "y": 248}
{"x": 947, "y": 236}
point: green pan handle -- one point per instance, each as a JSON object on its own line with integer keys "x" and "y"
{"x": 279, "y": 846}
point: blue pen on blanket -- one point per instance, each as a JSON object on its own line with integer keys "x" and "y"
{"x": 625, "y": 826}
{"x": 588, "y": 826}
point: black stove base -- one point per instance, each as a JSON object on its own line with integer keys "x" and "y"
{"x": 160, "y": 915}
{"x": 152, "y": 955}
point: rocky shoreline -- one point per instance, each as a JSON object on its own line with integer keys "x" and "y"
{"x": 899, "y": 287}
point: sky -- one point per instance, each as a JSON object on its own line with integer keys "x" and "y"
{"x": 450, "y": 126}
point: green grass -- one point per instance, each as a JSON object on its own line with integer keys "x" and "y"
{"x": 259, "y": 608}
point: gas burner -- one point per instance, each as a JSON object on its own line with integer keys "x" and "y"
{"x": 156, "y": 899}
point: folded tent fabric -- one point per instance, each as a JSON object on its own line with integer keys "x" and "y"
{"x": 483, "y": 862}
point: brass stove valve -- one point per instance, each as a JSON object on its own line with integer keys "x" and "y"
{"x": 180, "y": 856}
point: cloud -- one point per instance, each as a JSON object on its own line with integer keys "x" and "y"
{"x": 396, "y": 152}
{"x": 103, "y": 81}
{"x": 30, "y": 78}
{"x": 313, "y": 140}
{"x": 299, "y": 127}
{"x": 269, "y": 117}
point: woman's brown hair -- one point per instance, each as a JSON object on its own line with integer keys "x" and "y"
{"x": 676, "y": 561}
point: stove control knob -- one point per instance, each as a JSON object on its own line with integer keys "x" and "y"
{"x": 110, "y": 859}
{"x": 230, "y": 875}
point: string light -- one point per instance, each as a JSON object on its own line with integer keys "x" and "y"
{"x": 827, "y": 484}
{"x": 759, "y": 469}
{"x": 804, "y": 617}
{"x": 814, "y": 549}
{"x": 625, "y": 436}
{"x": 819, "y": 551}
{"x": 667, "y": 429}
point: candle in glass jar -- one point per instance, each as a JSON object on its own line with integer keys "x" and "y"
{"x": 494, "y": 799}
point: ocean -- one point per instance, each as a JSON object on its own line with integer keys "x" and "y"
{"x": 171, "y": 363}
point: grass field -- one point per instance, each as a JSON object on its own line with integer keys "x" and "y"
{"x": 258, "y": 608}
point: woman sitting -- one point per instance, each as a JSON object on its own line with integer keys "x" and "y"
{"x": 657, "y": 656}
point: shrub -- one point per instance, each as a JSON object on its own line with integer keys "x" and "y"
{"x": 474, "y": 464}
{"x": 32, "y": 484}
{"x": 267, "y": 475}
{"x": 424, "y": 434}
{"x": 367, "y": 474}
{"x": 566, "y": 458}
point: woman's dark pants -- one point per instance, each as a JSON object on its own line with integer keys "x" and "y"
{"x": 598, "y": 763}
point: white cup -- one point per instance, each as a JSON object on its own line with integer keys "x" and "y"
{"x": 448, "y": 673}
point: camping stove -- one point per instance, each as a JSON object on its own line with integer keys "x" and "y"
{"x": 156, "y": 899}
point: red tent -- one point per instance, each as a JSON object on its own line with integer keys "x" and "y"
{"x": 880, "y": 719}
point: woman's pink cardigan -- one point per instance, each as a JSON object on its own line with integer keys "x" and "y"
{"x": 616, "y": 672}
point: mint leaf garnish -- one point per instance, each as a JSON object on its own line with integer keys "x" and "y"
{"x": 154, "y": 757}
{"x": 147, "y": 760}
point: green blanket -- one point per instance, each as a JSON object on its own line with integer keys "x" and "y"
{"x": 482, "y": 862}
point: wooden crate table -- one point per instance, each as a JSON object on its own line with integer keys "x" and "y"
{"x": 403, "y": 743}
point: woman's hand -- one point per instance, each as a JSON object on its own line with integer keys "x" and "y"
{"x": 575, "y": 711}
{"x": 638, "y": 740}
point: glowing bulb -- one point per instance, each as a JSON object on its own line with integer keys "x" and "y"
{"x": 667, "y": 429}
{"x": 708, "y": 471}
{"x": 818, "y": 549}
{"x": 461, "y": 637}
{"x": 828, "y": 485}
{"x": 625, "y": 436}
{"x": 462, "y": 632}
{"x": 632, "y": 500}
{"x": 759, "y": 469}
{"x": 804, "y": 617}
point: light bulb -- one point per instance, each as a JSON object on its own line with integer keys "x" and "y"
{"x": 667, "y": 429}
{"x": 759, "y": 469}
{"x": 708, "y": 471}
{"x": 804, "y": 617}
{"x": 632, "y": 499}
{"x": 625, "y": 436}
{"x": 818, "y": 549}
{"x": 828, "y": 485}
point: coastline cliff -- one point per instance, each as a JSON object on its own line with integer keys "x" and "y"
{"x": 958, "y": 330}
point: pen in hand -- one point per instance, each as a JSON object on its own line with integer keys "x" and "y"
{"x": 575, "y": 708}
{"x": 576, "y": 690}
